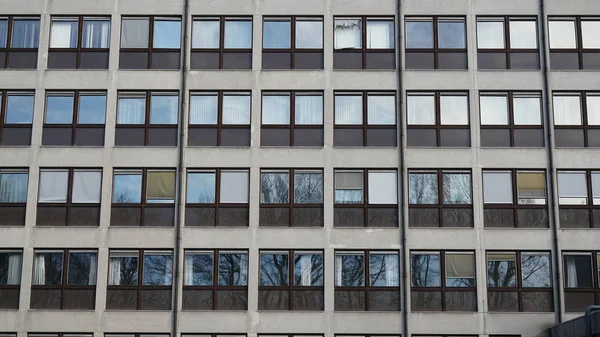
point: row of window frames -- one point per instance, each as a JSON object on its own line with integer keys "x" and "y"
{"x": 208, "y": 335}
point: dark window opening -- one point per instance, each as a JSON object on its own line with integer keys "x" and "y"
{"x": 13, "y": 196}
{"x": 10, "y": 278}
{"x": 19, "y": 42}
{"x": 16, "y": 117}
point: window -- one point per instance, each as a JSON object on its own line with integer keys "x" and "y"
{"x": 579, "y": 199}
{"x": 367, "y": 280}
{"x": 221, "y": 43}
{"x": 213, "y": 335}
{"x": 292, "y": 119}
{"x": 291, "y": 280}
{"x": 79, "y": 42}
{"x": 515, "y": 198}
{"x": 511, "y": 119}
{"x": 13, "y": 196}
{"x": 10, "y": 278}
{"x": 64, "y": 279}
{"x": 76, "y": 334}
{"x": 364, "y": 43}
{"x": 69, "y": 197}
{"x": 438, "y": 119}
{"x": 143, "y": 197}
{"x": 574, "y": 43}
{"x": 217, "y": 197}
{"x": 150, "y": 42}
{"x": 365, "y": 119}
{"x": 292, "y": 42}
{"x": 138, "y": 335}
{"x": 456, "y": 292}
{"x": 215, "y": 285}
{"x": 219, "y": 118}
{"x": 507, "y": 43}
{"x": 139, "y": 280}
{"x": 16, "y": 117}
{"x": 147, "y": 119}
{"x": 291, "y": 197}
{"x": 519, "y": 281}
{"x": 576, "y": 119}
{"x": 365, "y": 198}
{"x": 19, "y": 39}
{"x": 436, "y": 43}
{"x": 581, "y": 280}
{"x": 74, "y": 118}
{"x": 440, "y": 198}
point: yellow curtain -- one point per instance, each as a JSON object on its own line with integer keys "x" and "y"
{"x": 161, "y": 185}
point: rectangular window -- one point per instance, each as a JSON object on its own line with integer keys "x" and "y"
{"x": 217, "y": 197}
{"x": 215, "y": 280}
{"x": 136, "y": 335}
{"x": 574, "y": 42}
{"x": 16, "y": 117}
{"x": 291, "y": 197}
{"x": 291, "y": 280}
{"x": 365, "y": 198}
{"x": 64, "y": 279}
{"x": 292, "y": 42}
{"x": 581, "y": 282}
{"x": 19, "y": 39}
{"x": 576, "y": 119}
{"x": 440, "y": 198}
{"x": 77, "y": 334}
{"x": 579, "y": 198}
{"x": 438, "y": 119}
{"x": 139, "y": 280}
{"x": 292, "y": 119}
{"x": 11, "y": 262}
{"x": 365, "y": 119}
{"x": 147, "y": 118}
{"x": 221, "y": 42}
{"x": 219, "y": 118}
{"x": 13, "y": 196}
{"x": 511, "y": 119}
{"x": 74, "y": 118}
{"x": 376, "y": 52}
{"x": 443, "y": 281}
{"x": 150, "y": 42}
{"x": 507, "y": 43}
{"x": 367, "y": 280}
{"x": 69, "y": 197}
{"x": 143, "y": 197}
{"x": 79, "y": 42}
{"x": 519, "y": 282}
{"x": 436, "y": 43}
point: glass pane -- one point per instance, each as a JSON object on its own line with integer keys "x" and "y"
{"x": 25, "y": 33}
{"x": 348, "y": 33}
{"x": 87, "y": 185}
{"x": 201, "y": 187}
{"x": 523, "y": 34}
{"x": 348, "y": 187}
{"x": 92, "y": 109}
{"x": 234, "y": 186}
{"x": 167, "y": 34}
{"x": 380, "y": 34}
{"x": 59, "y": 109}
{"x": 497, "y": 188}
{"x": 3, "y": 32}
{"x": 501, "y": 270}
{"x": 425, "y": 270}
{"x": 421, "y": 110}
{"x": 572, "y": 188}
{"x": 274, "y": 269}
{"x": 460, "y": 270}
{"x": 157, "y": 269}
{"x": 123, "y": 269}
{"x": 494, "y": 110}
{"x": 13, "y": 187}
{"x": 63, "y": 33}
{"x": 48, "y": 269}
{"x": 131, "y": 110}
{"x": 531, "y": 188}
{"x": 593, "y": 109}
{"x": 348, "y": 110}
{"x": 527, "y": 110}
{"x": 276, "y": 109}
{"x": 19, "y": 109}
{"x": 275, "y": 187}
{"x": 163, "y": 109}
{"x": 308, "y": 187}
{"x": 96, "y": 33}
{"x": 457, "y": 188}
{"x": 578, "y": 271}
{"x": 277, "y": 34}
{"x": 383, "y": 270}
{"x": 381, "y": 110}
{"x": 160, "y": 187}
{"x": 206, "y": 34}
{"x": 383, "y": 188}
{"x": 423, "y": 188}
{"x": 454, "y": 110}
{"x": 419, "y": 34}
{"x": 596, "y": 187}
{"x": 451, "y": 34}
{"x": 53, "y": 186}
{"x": 349, "y": 270}
{"x": 236, "y": 109}
{"x": 308, "y": 269}
{"x": 198, "y": 269}
{"x": 590, "y": 30}
{"x": 490, "y": 34}
{"x": 562, "y": 34}
{"x": 309, "y": 34}
{"x": 238, "y": 34}
{"x": 536, "y": 271}
{"x": 127, "y": 188}
{"x": 10, "y": 268}
{"x": 567, "y": 110}
{"x": 233, "y": 269}
{"x": 82, "y": 269}
{"x": 134, "y": 33}
{"x": 309, "y": 110}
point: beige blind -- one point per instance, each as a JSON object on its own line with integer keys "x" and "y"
{"x": 501, "y": 257}
{"x": 161, "y": 185}
{"x": 460, "y": 265}
{"x": 531, "y": 181}
{"x": 348, "y": 180}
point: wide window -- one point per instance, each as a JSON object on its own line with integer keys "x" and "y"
{"x": 79, "y": 42}
{"x": 292, "y": 119}
{"x": 217, "y": 197}
{"x": 440, "y": 198}
{"x": 443, "y": 281}
{"x": 292, "y": 43}
{"x": 139, "y": 280}
{"x": 574, "y": 42}
{"x": 143, "y": 197}
{"x": 150, "y": 42}
{"x": 215, "y": 280}
{"x": 221, "y": 43}
{"x": 365, "y": 119}
{"x": 19, "y": 39}
{"x": 581, "y": 274}
{"x": 507, "y": 43}
{"x": 519, "y": 281}
{"x": 291, "y": 197}
{"x": 364, "y": 43}
{"x": 436, "y": 43}
{"x": 10, "y": 278}
{"x": 576, "y": 119}
{"x": 13, "y": 196}
{"x": 367, "y": 280}
{"x": 16, "y": 117}
{"x": 64, "y": 279}
{"x": 579, "y": 199}
{"x": 438, "y": 119}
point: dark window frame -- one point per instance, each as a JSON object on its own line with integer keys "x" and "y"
{"x": 3, "y": 113}
{"x": 15, "y": 288}
{"x": 594, "y": 291}
{"x": 9, "y": 35}
{"x": 10, "y": 205}
{"x": 138, "y": 334}
{"x": 589, "y": 206}
{"x": 60, "y": 334}
{"x": 583, "y": 110}
{"x": 579, "y": 50}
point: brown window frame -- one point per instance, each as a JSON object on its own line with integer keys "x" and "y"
{"x": 79, "y": 51}
{"x": 438, "y": 126}
{"x": 592, "y": 208}
{"x": 215, "y": 288}
{"x": 291, "y": 205}
{"x": 585, "y": 127}
{"x": 68, "y": 205}
{"x": 221, "y": 50}
{"x": 5, "y": 53}
{"x": 518, "y": 288}
{"x": 440, "y": 206}
{"x": 143, "y": 204}
{"x": 365, "y": 126}
{"x": 64, "y": 286}
{"x": 14, "y": 209}
{"x": 578, "y": 50}
{"x": 293, "y": 50}
{"x": 217, "y": 205}
{"x": 292, "y": 126}
{"x": 15, "y": 289}
{"x": 593, "y": 292}
{"x": 27, "y": 127}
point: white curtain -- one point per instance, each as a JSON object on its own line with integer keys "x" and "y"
{"x": 238, "y": 34}
{"x": 380, "y": 34}
{"x": 383, "y": 188}
{"x": 391, "y": 270}
{"x": 132, "y": 110}
{"x": 204, "y": 109}
{"x": 306, "y": 270}
{"x": 309, "y": 109}
{"x": 64, "y": 34}
{"x": 236, "y": 109}
{"x": 134, "y": 33}
{"x": 381, "y": 110}
{"x": 188, "y": 277}
{"x": 567, "y": 110}
{"x": 39, "y": 274}
{"x": 454, "y": 110}
{"x": 347, "y": 34}
{"x": 96, "y": 33}
{"x": 572, "y": 273}
{"x": 93, "y": 269}
{"x": 493, "y": 110}
{"x": 53, "y": 185}
{"x": 421, "y": 109}
{"x": 163, "y": 109}
{"x": 234, "y": 187}
{"x": 348, "y": 109}
{"x": 87, "y": 186}
{"x": 26, "y": 33}
{"x": 206, "y": 34}
{"x": 527, "y": 110}
{"x": 276, "y": 110}
{"x": 114, "y": 278}
{"x": 338, "y": 270}
{"x": 13, "y": 187}
{"x": 14, "y": 269}
{"x": 593, "y": 110}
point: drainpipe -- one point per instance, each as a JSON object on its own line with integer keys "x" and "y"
{"x": 550, "y": 167}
